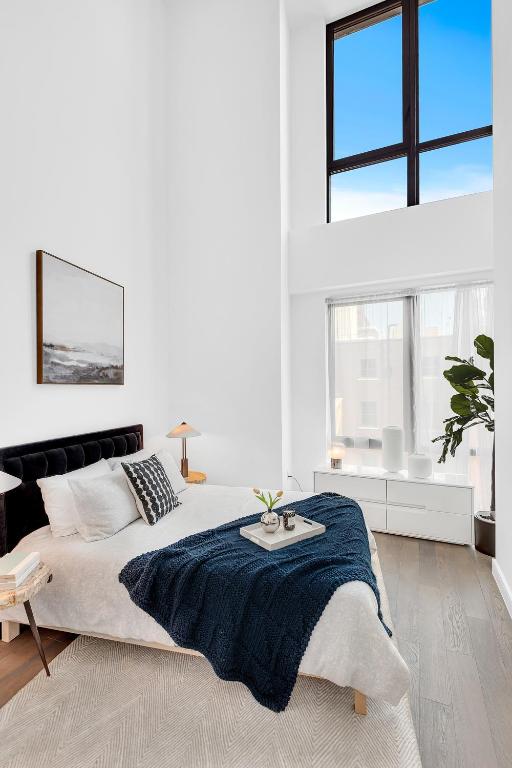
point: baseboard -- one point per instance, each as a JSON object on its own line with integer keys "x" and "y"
{"x": 503, "y": 587}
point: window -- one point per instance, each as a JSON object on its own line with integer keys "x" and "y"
{"x": 368, "y": 368}
{"x": 402, "y": 342}
{"x": 369, "y": 414}
{"x": 431, "y": 365}
{"x": 409, "y": 105}
{"x": 368, "y": 337}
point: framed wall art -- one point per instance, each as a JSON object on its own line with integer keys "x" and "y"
{"x": 80, "y": 325}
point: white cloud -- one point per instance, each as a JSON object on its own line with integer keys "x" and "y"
{"x": 349, "y": 203}
{"x": 469, "y": 179}
{"x": 442, "y": 184}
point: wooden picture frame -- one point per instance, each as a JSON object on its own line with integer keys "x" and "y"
{"x": 80, "y": 324}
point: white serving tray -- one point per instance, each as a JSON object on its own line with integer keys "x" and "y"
{"x": 282, "y": 538}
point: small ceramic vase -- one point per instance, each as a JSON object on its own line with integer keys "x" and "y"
{"x": 270, "y": 521}
{"x": 420, "y": 466}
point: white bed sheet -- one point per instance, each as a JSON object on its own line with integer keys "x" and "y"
{"x": 349, "y": 645}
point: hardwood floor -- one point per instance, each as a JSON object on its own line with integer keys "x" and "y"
{"x": 455, "y": 634}
{"x": 20, "y": 662}
{"x": 452, "y": 629}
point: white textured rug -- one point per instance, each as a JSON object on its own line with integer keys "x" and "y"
{"x": 113, "y": 705}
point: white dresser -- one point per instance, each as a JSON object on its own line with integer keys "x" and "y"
{"x": 439, "y": 508}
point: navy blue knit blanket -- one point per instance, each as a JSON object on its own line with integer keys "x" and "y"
{"x": 248, "y": 611}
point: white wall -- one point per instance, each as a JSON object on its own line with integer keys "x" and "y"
{"x": 429, "y": 244}
{"x": 81, "y": 150}
{"x": 140, "y": 145}
{"x": 448, "y": 236}
{"x": 308, "y": 332}
{"x": 225, "y": 235}
{"x": 502, "y": 23}
{"x": 284, "y": 64}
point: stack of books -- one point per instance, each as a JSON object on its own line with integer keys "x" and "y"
{"x": 16, "y": 567}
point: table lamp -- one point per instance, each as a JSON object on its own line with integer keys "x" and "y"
{"x": 183, "y": 431}
{"x": 8, "y": 482}
{"x": 336, "y": 455}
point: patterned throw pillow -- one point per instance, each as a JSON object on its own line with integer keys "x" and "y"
{"x": 151, "y": 489}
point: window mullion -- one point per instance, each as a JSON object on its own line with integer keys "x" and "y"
{"x": 411, "y": 97}
{"x": 410, "y": 350}
{"x": 329, "y": 65}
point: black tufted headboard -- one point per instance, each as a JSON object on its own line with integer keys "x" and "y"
{"x": 22, "y": 510}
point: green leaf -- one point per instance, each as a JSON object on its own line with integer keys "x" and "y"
{"x": 456, "y": 441}
{"x": 466, "y": 406}
{"x": 465, "y": 389}
{"x": 455, "y": 359}
{"x": 463, "y": 374}
{"x": 491, "y": 381}
{"x": 484, "y": 346}
{"x": 463, "y": 420}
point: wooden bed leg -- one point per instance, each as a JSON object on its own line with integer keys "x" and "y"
{"x": 10, "y": 630}
{"x": 360, "y": 703}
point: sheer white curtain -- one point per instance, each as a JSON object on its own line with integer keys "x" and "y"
{"x": 447, "y": 323}
{"x": 366, "y": 374}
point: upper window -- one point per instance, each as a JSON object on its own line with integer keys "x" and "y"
{"x": 409, "y": 105}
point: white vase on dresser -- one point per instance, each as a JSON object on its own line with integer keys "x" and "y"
{"x": 439, "y": 508}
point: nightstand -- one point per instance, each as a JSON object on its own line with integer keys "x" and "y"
{"x": 22, "y": 594}
{"x": 196, "y": 478}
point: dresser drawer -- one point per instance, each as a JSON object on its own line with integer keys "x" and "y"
{"x": 374, "y": 515}
{"x": 441, "y": 498}
{"x": 365, "y": 488}
{"x": 429, "y": 524}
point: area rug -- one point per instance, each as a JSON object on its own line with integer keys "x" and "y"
{"x": 113, "y": 705}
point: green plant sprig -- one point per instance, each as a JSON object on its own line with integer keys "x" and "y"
{"x": 271, "y": 501}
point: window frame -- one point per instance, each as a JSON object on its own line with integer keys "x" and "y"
{"x": 410, "y": 147}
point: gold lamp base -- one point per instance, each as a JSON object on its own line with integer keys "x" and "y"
{"x": 183, "y": 431}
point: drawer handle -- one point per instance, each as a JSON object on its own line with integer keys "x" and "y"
{"x": 410, "y": 510}
{"x": 419, "y": 507}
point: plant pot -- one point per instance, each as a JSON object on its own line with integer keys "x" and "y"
{"x": 485, "y": 534}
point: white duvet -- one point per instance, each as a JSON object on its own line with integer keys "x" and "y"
{"x": 349, "y": 645}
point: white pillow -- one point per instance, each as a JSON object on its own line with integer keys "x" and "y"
{"x": 59, "y": 502}
{"x": 115, "y": 461}
{"x": 104, "y": 505}
{"x": 167, "y": 459}
{"x": 172, "y": 471}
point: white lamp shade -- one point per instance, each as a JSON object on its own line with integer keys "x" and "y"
{"x": 183, "y": 430}
{"x": 8, "y": 482}
{"x": 337, "y": 452}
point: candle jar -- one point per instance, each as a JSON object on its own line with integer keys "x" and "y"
{"x": 289, "y": 519}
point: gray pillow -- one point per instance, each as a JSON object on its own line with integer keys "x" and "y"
{"x": 104, "y": 505}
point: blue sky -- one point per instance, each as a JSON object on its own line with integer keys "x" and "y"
{"x": 455, "y": 95}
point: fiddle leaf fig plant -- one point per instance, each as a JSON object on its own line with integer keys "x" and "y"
{"x": 473, "y": 402}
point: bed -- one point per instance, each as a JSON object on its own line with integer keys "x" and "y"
{"x": 349, "y": 645}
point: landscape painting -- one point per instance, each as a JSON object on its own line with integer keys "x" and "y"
{"x": 80, "y": 325}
